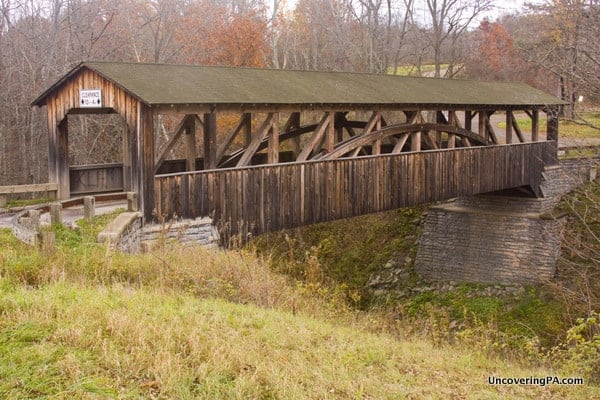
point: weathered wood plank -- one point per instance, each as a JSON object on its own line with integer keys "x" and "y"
{"x": 517, "y": 129}
{"x": 210, "y": 140}
{"x": 509, "y": 127}
{"x": 535, "y": 126}
{"x": 36, "y": 187}
{"x": 315, "y": 139}
{"x": 273, "y": 151}
{"x": 256, "y": 140}
{"x": 244, "y": 121}
{"x": 265, "y": 198}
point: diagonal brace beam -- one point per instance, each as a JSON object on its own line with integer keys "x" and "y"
{"x": 256, "y": 140}
{"x": 174, "y": 140}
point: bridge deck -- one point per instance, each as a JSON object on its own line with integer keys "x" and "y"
{"x": 266, "y": 198}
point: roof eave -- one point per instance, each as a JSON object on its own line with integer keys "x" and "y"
{"x": 41, "y": 100}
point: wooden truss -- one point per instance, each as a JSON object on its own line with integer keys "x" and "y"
{"x": 334, "y": 134}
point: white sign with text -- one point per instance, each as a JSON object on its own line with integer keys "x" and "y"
{"x": 90, "y": 98}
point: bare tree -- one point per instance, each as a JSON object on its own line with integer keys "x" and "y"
{"x": 384, "y": 27}
{"x": 567, "y": 45}
{"x": 448, "y": 21}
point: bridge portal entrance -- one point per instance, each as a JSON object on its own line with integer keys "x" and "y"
{"x": 95, "y": 143}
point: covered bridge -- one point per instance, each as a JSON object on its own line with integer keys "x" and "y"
{"x": 329, "y": 144}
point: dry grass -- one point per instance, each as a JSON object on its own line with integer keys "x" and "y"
{"x": 187, "y": 323}
{"x": 73, "y": 341}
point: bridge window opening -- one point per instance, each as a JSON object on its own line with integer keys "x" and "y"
{"x": 179, "y": 143}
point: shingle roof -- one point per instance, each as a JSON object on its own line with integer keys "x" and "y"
{"x": 156, "y": 84}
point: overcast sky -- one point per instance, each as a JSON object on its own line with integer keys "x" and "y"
{"x": 511, "y": 6}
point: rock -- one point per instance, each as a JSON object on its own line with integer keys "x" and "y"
{"x": 404, "y": 276}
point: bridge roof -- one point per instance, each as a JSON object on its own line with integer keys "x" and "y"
{"x": 165, "y": 84}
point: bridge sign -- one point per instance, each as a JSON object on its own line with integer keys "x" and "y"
{"x": 90, "y": 98}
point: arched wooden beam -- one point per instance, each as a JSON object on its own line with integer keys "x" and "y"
{"x": 232, "y": 159}
{"x": 360, "y": 141}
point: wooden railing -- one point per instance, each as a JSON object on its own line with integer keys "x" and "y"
{"x": 271, "y": 197}
{"x": 49, "y": 188}
{"x": 97, "y": 178}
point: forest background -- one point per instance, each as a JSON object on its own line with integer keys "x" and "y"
{"x": 549, "y": 44}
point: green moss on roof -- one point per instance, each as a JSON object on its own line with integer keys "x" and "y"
{"x": 184, "y": 84}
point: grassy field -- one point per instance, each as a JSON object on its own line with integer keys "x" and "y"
{"x": 567, "y": 129}
{"x": 67, "y": 340}
{"x": 412, "y": 70}
{"x": 84, "y": 322}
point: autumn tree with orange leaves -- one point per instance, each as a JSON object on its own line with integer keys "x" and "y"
{"x": 219, "y": 35}
{"x": 496, "y": 57}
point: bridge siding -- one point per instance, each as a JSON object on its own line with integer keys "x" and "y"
{"x": 272, "y": 197}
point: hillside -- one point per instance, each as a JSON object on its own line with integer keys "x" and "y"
{"x": 72, "y": 341}
{"x": 83, "y": 322}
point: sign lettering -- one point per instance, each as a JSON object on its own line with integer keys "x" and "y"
{"x": 90, "y": 98}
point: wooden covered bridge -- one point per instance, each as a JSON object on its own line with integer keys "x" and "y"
{"x": 300, "y": 147}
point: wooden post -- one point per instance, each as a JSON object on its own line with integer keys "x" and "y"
{"x": 64, "y": 191}
{"x": 132, "y": 202}
{"x": 210, "y": 140}
{"x": 48, "y": 241}
{"x": 509, "y": 126}
{"x": 330, "y": 140}
{"x": 377, "y": 143}
{"x": 126, "y": 157}
{"x": 273, "y": 152}
{"x": 535, "y": 125}
{"x": 247, "y": 129}
{"x": 52, "y": 145}
{"x": 552, "y": 131}
{"x": 415, "y": 141}
{"x": 190, "y": 144}
{"x": 3, "y": 200}
{"x": 34, "y": 216}
{"x": 483, "y": 125}
{"x": 552, "y": 124}
{"x": 451, "y": 137}
{"x": 338, "y": 122}
{"x": 145, "y": 135}
{"x": 55, "y": 213}
{"x": 468, "y": 120}
{"x": 440, "y": 118}
{"x": 89, "y": 208}
{"x": 295, "y": 123}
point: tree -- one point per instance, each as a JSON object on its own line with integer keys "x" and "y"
{"x": 495, "y": 56}
{"x": 567, "y": 45}
{"x": 234, "y": 35}
{"x": 449, "y": 21}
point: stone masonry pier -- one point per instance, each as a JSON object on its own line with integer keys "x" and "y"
{"x": 500, "y": 239}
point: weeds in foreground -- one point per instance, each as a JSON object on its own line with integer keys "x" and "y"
{"x": 92, "y": 315}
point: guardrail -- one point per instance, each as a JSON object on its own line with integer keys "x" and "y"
{"x": 49, "y": 188}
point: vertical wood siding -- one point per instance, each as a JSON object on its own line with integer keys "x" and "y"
{"x": 65, "y": 99}
{"x": 272, "y": 197}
